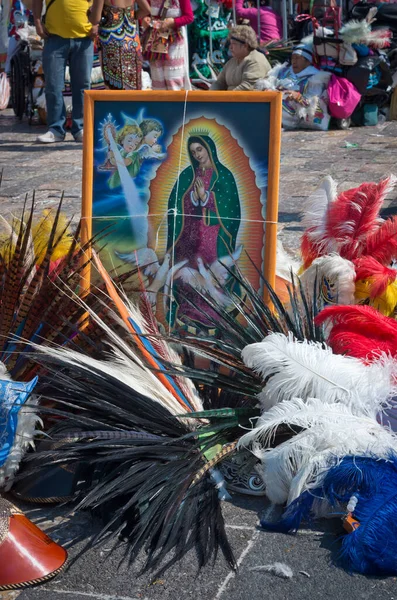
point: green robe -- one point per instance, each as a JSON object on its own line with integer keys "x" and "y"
{"x": 227, "y": 204}
{"x": 133, "y": 168}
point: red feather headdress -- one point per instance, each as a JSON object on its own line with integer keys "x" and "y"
{"x": 378, "y": 276}
{"x": 352, "y": 226}
{"x": 360, "y": 331}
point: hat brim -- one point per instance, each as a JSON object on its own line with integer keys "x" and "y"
{"x": 27, "y": 555}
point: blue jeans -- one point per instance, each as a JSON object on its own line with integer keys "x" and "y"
{"x": 79, "y": 54}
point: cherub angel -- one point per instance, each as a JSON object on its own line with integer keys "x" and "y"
{"x": 128, "y": 147}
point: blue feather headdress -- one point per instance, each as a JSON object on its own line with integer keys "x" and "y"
{"x": 371, "y": 547}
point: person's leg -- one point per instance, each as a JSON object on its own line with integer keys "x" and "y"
{"x": 55, "y": 55}
{"x": 81, "y": 58}
{"x": 174, "y": 66}
{"x": 157, "y": 75}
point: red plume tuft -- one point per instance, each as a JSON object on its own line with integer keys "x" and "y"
{"x": 309, "y": 250}
{"x": 378, "y": 275}
{"x": 382, "y": 243}
{"x": 359, "y": 331}
{"x": 354, "y": 216}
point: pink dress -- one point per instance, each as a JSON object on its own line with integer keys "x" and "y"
{"x": 198, "y": 238}
{"x": 172, "y": 72}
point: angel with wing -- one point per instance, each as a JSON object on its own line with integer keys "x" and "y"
{"x": 129, "y": 146}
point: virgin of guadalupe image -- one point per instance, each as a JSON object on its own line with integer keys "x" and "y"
{"x": 203, "y": 222}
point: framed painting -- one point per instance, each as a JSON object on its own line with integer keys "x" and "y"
{"x": 186, "y": 186}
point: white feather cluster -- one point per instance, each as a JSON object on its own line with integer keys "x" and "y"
{"x": 315, "y": 211}
{"x": 24, "y": 436}
{"x": 271, "y": 80}
{"x": 330, "y": 432}
{"x": 360, "y": 32}
{"x": 310, "y": 369}
{"x": 285, "y": 264}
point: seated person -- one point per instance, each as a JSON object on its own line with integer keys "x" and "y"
{"x": 246, "y": 66}
{"x": 305, "y": 90}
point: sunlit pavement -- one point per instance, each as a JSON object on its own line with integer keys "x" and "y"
{"x": 351, "y": 157}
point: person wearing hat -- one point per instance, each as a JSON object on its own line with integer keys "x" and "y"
{"x": 304, "y": 90}
{"x": 246, "y": 66}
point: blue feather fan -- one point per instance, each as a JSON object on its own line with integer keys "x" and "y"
{"x": 371, "y": 549}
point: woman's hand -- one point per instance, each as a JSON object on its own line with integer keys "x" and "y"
{"x": 146, "y": 22}
{"x": 94, "y": 13}
{"x": 199, "y": 189}
{"x": 167, "y": 24}
{"x": 143, "y": 10}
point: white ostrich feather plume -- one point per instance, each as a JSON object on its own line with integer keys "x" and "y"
{"x": 310, "y": 369}
{"x": 314, "y": 212}
{"x": 340, "y": 273}
{"x": 330, "y": 432}
{"x": 285, "y": 264}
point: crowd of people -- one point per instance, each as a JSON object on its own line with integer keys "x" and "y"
{"x": 155, "y": 35}
{"x": 151, "y": 36}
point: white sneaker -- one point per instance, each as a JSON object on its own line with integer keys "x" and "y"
{"x": 79, "y": 137}
{"x": 50, "y": 137}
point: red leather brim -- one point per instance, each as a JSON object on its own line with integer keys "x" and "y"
{"x": 27, "y": 555}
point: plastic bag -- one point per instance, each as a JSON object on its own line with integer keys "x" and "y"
{"x": 343, "y": 97}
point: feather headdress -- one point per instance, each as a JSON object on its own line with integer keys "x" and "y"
{"x": 363, "y": 488}
{"x": 329, "y": 432}
{"x": 360, "y": 331}
{"x": 360, "y": 32}
{"x": 291, "y": 368}
{"x": 345, "y": 224}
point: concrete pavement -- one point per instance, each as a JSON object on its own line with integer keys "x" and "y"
{"x": 352, "y": 157}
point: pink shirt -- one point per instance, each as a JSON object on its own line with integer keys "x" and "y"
{"x": 271, "y": 22}
{"x": 187, "y": 14}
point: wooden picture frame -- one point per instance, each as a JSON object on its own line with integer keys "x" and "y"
{"x": 241, "y": 136}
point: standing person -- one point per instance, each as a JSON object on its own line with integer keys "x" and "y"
{"x": 271, "y": 24}
{"x": 119, "y": 38}
{"x": 68, "y": 38}
{"x": 171, "y": 71}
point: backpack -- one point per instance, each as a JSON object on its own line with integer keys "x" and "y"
{"x": 343, "y": 97}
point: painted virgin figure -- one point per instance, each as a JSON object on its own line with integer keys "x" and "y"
{"x": 203, "y": 222}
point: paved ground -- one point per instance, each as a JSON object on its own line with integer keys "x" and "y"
{"x": 351, "y": 157}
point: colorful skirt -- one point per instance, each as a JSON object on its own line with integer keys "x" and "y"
{"x": 120, "y": 48}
